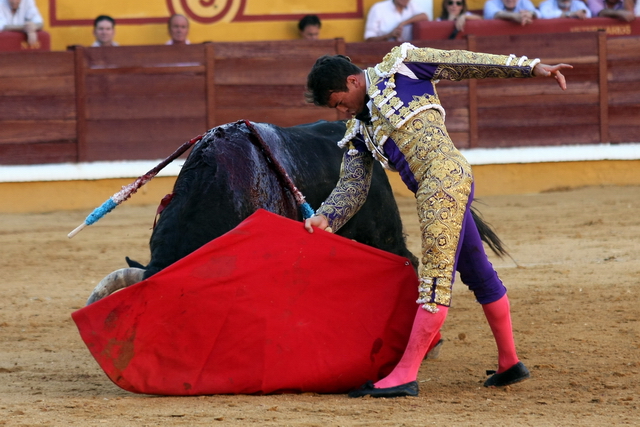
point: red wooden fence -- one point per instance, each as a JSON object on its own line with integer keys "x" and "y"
{"x": 141, "y": 102}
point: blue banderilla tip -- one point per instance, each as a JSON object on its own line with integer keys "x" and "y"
{"x": 101, "y": 211}
{"x": 307, "y": 210}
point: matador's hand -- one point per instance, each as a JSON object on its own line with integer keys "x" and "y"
{"x": 319, "y": 221}
{"x": 544, "y": 70}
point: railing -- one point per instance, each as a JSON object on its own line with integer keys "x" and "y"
{"x": 442, "y": 30}
{"x": 141, "y": 102}
{"x": 16, "y": 41}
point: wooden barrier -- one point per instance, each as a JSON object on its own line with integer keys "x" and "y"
{"x": 441, "y": 30}
{"x": 145, "y": 101}
{"x": 37, "y": 108}
{"x": 16, "y": 41}
{"x": 142, "y": 102}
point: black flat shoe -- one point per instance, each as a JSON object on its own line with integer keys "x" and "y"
{"x": 367, "y": 389}
{"x": 514, "y": 374}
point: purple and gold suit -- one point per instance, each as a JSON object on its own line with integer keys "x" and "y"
{"x": 407, "y": 134}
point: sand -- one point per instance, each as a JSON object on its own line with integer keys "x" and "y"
{"x": 573, "y": 285}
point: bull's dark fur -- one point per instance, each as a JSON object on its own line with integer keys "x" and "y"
{"x": 226, "y": 178}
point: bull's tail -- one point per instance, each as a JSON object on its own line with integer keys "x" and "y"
{"x": 488, "y": 235}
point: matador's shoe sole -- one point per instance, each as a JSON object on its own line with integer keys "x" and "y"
{"x": 367, "y": 389}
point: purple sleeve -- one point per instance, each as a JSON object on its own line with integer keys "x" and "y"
{"x": 422, "y": 70}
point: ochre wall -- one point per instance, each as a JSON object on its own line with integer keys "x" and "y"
{"x": 32, "y": 197}
{"x": 70, "y": 22}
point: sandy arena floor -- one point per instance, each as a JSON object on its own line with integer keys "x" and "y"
{"x": 573, "y": 284}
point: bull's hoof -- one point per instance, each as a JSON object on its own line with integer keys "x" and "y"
{"x": 435, "y": 351}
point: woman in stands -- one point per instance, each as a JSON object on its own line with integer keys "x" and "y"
{"x": 456, "y": 10}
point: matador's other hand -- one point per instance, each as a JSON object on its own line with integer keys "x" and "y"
{"x": 544, "y": 70}
{"x": 319, "y": 221}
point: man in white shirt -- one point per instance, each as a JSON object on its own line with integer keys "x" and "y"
{"x": 104, "y": 29}
{"x": 391, "y": 20}
{"x": 178, "y": 30}
{"x": 21, "y": 15}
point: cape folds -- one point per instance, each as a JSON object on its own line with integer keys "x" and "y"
{"x": 265, "y": 308}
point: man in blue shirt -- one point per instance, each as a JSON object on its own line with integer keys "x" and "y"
{"x": 522, "y": 12}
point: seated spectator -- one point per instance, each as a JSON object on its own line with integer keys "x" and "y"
{"x": 522, "y": 12}
{"x": 104, "y": 29}
{"x": 618, "y": 9}
{"x": 21, "y": 15}
{"x": 309, "y": 27}
{"x": 178, "y": 29}
{"x": 390, "y": 20}
{"x": 550, "y": 9}
{"x": 456, "y": 10}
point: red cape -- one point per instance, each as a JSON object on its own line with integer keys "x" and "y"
{"x": 265, "y": 308}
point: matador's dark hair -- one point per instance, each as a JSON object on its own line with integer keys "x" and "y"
{"x": 329, "y": 74}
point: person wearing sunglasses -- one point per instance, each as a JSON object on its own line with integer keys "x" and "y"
{"x": 550, "y": 9}
{"x": 391, "y": 20}
{"x": 522, "y": 12}
{"x": 456, "y": 10}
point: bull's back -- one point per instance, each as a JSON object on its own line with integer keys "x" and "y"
{"x": 227, "y": 177}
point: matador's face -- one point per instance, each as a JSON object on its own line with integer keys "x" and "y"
{"x": 351, "y": 101}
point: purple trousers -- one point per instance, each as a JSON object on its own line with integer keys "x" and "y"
{"x": 472, "y": 263}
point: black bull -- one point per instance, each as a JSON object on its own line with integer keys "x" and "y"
{"x": 228, "y": 176}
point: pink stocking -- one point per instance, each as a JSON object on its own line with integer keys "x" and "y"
{"x": 426, "y": 326}
{"x": 499, "y": 317}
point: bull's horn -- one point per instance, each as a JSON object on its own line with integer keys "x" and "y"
{"x": 117, "y": 280}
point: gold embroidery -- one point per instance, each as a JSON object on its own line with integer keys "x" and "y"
{"x": 452, "y": 65}
{"x": 350, "y": 191}
{"x": 445, "y": 180}
{"x": 443, "y": 174}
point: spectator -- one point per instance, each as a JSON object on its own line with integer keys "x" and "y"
{"x": 104, "y": 29}
{"x": 309, "y": 27}
{"x": 456, "y": 10}
{"x": 522, "y": 12}
{"x": 390, "y": 20}
{"x": 618, "y": 9}
{"x": 178, "y": 29}
{"x": 21, "y": 15}
{"x": 550, "y": 9}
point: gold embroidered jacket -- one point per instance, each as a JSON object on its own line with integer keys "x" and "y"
{"x": 401, "y": 86}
